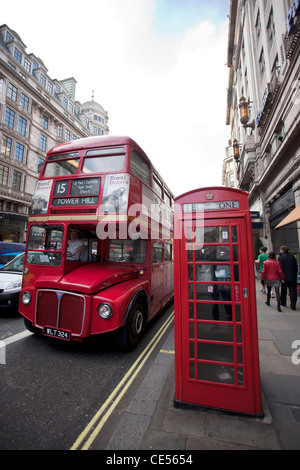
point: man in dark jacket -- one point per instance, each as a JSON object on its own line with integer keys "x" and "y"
{"x": 289, "y": 267}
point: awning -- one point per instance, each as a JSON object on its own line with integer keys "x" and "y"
{"x": 292, "y": 217}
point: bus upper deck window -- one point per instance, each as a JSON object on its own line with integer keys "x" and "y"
{"x": 61, "y": 168}
{"x": 139, "y": 167}
{"x": 104, "y": 160}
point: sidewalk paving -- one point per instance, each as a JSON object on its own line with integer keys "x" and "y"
{"x": 151, "y": 422}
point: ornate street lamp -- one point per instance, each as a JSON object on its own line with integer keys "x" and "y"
{"x": 236, "y": 150}
{"x": 244, "y": 117}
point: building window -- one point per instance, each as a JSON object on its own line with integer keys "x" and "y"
{"x": 67, "y": 135}
{"x": 271, "y": 26}
{"x": 43, "y": 80}
{"x": 9, "y": 118}
{"x": 6, "y": 146}
{"x": 12, "y": 92}
{"x": 27, "y": 65}
{"x": 22, "y": 125}
{"x": 18, "y": 55}
{"x": 1, "y": 84}
{"x": 45, "y": 122}
{"x": 9, "y": 37}
{"x": 65, "y": 102}
{"x": 24, "y": 102}
{"x": 35, "y": 65}
{"x": 43, "y": 143}
{"x": 98, "y": 131}
{"x": 60, "y": 131}
{"x": 3, "y": 175}
{"x": 258, "y": 24}
{"x": 19, "y": 152}
{"x": 50, "y": 88}
{"x": 16, "y": 179}
{"x": 262, "y": 64}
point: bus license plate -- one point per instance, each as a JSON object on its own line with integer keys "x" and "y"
{"x": 57, "y": 333}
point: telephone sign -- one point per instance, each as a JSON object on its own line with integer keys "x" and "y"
{"x": 216, "y": 342}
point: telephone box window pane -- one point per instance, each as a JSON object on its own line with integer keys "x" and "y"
{"x": 213, "y": 253}
{"x": 216, "y": 373}
{"x": 191, "y": 272}
{"x": 209, "y": 272}
{"x": 216, "y": 312}
{"x": 240, "y": 373}
{"x": 213, "y": 292}
{"x": 195, "y": 235}
{"x": 239, "y": 352}
{"x": 238, "y": 313}
{"x": 235, "y": 253}
{"x": 192, "y": 333}
{"x": 189, "y": 235}
{"x": 192, "y": 350}
{"x": 204, "y": 272}
{"x": 234, "y": 234}
{"x": 191, "y": 291}
{"x": 216, "y": 234}
{"x": 192, "y": 370}
{"x": 190, "y": 254}
{"x": 213, "y": 332}
{"x": 215, "y": 352}
{"x": 236, "y": 273}
{"x": 238, "y": 333}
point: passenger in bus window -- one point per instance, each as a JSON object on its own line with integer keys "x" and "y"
{"x": 75, "y": 246}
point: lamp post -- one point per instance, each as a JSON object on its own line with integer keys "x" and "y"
{"x": 244, "y": 117}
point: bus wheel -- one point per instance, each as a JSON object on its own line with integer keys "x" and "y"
{"x": 131, "y": 333}
{"x": 31, "y": 328}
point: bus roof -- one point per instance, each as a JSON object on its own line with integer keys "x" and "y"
{"x": 94, "y": 141}
{"x": 99, "y": 141}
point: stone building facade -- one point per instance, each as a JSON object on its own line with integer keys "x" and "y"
{"x": 263, "y": 112}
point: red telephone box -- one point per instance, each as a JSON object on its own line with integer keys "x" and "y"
{"x": 216, "y": 342}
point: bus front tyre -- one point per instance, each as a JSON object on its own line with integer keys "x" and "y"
{"x": 130, "y": 334}
{"x": 31, "y": 328}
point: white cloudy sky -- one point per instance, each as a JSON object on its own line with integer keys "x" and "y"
{"x": 157, "y": 67}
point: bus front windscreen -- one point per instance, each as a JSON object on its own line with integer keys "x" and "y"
{"x": 46, "y": 245}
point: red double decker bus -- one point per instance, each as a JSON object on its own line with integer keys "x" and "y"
{"x": 99, "y": 243}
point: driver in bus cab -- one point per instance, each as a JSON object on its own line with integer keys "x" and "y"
{"x": 75, "y": 246}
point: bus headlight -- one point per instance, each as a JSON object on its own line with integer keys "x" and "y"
{"x": 26, "y": 298}
{"x": 105, "y": 311}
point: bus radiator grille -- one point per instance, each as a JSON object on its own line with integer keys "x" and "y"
{"x": 61, "y": 310}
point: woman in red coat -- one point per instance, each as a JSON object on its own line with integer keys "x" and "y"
{"x": 273, "y": 273}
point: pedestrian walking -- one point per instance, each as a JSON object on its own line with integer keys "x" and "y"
{"x": 289, "y": 266}
{"x": 262, "y": 257}
{"x": 273, "y": 274}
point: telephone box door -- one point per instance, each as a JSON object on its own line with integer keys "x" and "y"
{"x": 216, "y": 336}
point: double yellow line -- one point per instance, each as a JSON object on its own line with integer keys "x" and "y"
{"x": 89, "y": 434}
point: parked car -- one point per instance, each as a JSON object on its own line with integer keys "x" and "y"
{"x": 6, "y": 257}
{"x": 11, "y": 282}
{"x": 10, "y": 247}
